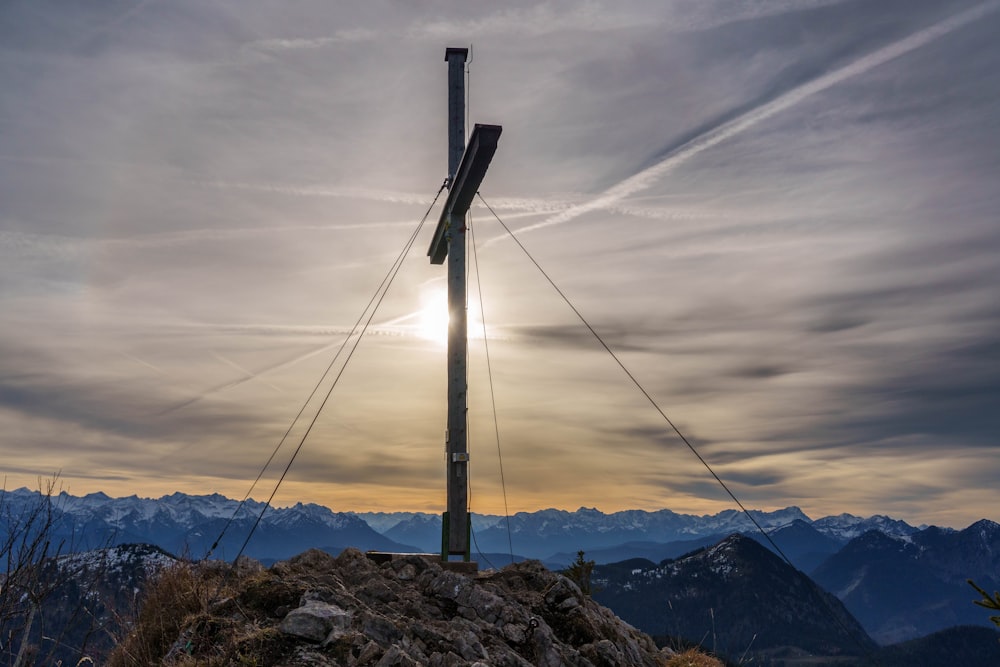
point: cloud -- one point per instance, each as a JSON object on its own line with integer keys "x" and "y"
{"x": 325, "y": 191}
{"x": 542, "y": 19}
{"x": 107, "y": 403}
{"x": 795, "y": 255}
{"x": 352, "y": 36}
{"x": 705, "y": 140}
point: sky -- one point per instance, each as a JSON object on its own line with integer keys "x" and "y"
{"x": 782, "y": 215}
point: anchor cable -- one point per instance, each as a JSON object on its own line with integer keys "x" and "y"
{"x": 493, "y": 398}
{"x": 376, "y": 299}
{"x": 836, "y": 617}
{"x": 635, "y": 381}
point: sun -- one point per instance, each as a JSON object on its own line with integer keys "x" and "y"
{"x": 434, "y": 316}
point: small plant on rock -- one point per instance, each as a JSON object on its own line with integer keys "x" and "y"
{"x": 693, "y": 658}
{"x": 580, "y": 572}
{"x": 988, "y": 601}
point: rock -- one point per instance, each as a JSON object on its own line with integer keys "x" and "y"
{"x": 603, "y": 653}
{"x": 376, "y": 590}
{"x": 395, "y": 657}
{"x": 563, "y": 594}
{"x": 381, "y": 630}
{"x": 468, "y": 646}
{"x": 476, "y": 602}
{"x": 315, "y": 621}
{"x": 446, "y": 585}
{"x": 369, "y": 653}
{"x": 410, "y": 611}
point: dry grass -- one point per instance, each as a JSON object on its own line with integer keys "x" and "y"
{"x": 693, "y": 658}
{"x": 179, "y": 598}
{"x": 205, "y": 614}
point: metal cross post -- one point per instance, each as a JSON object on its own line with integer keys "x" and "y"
{"x": 467, "y": 166}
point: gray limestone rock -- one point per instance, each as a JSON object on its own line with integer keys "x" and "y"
{"x": 410, "y": 611}
{"x": 315, "y": 621}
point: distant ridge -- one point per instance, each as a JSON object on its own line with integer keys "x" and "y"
{"x": 189, "y": 525}
{"x": 732, "y": 596}
{"x": 553, "y": 534}
{"x": 183, "y": 523}
{"x": 901, "y": 589}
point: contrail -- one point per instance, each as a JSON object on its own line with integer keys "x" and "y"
{"x": 242, "y": 380}
{"x": 132, "y": 357}
{"x": 702, "y": 142}
{"x": 530, "y": 206}
{"x": 248, "y": 375}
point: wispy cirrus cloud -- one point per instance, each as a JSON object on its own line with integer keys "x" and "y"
{"x": 678, "y": 155}
{"x": 792, "y": 243}
{"x": 351, "y": 36}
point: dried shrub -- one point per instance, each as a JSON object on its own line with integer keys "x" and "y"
{"x": 49, "y": 606}
{"x": 169, "y": 612}
{"x": 693, "y": 658}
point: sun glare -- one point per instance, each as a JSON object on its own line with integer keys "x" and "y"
{"x": 434, "y": 317}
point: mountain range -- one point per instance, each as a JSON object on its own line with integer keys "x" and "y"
{"x": 899, "y": 581}
{"x": 555, "y": 535}
{"x": 739, "y": 599}
{"x": 900, "y": 589}
{"x": 734, "y": 597}
{"x": 73, "y": 605}
{"x": 197, "y": 526}
{"x": 187, "y": 524}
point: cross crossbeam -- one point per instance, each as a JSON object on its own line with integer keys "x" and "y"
{"x": 471, "y": 171}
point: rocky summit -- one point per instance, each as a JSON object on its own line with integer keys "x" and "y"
{"x": 316, "y": 609}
